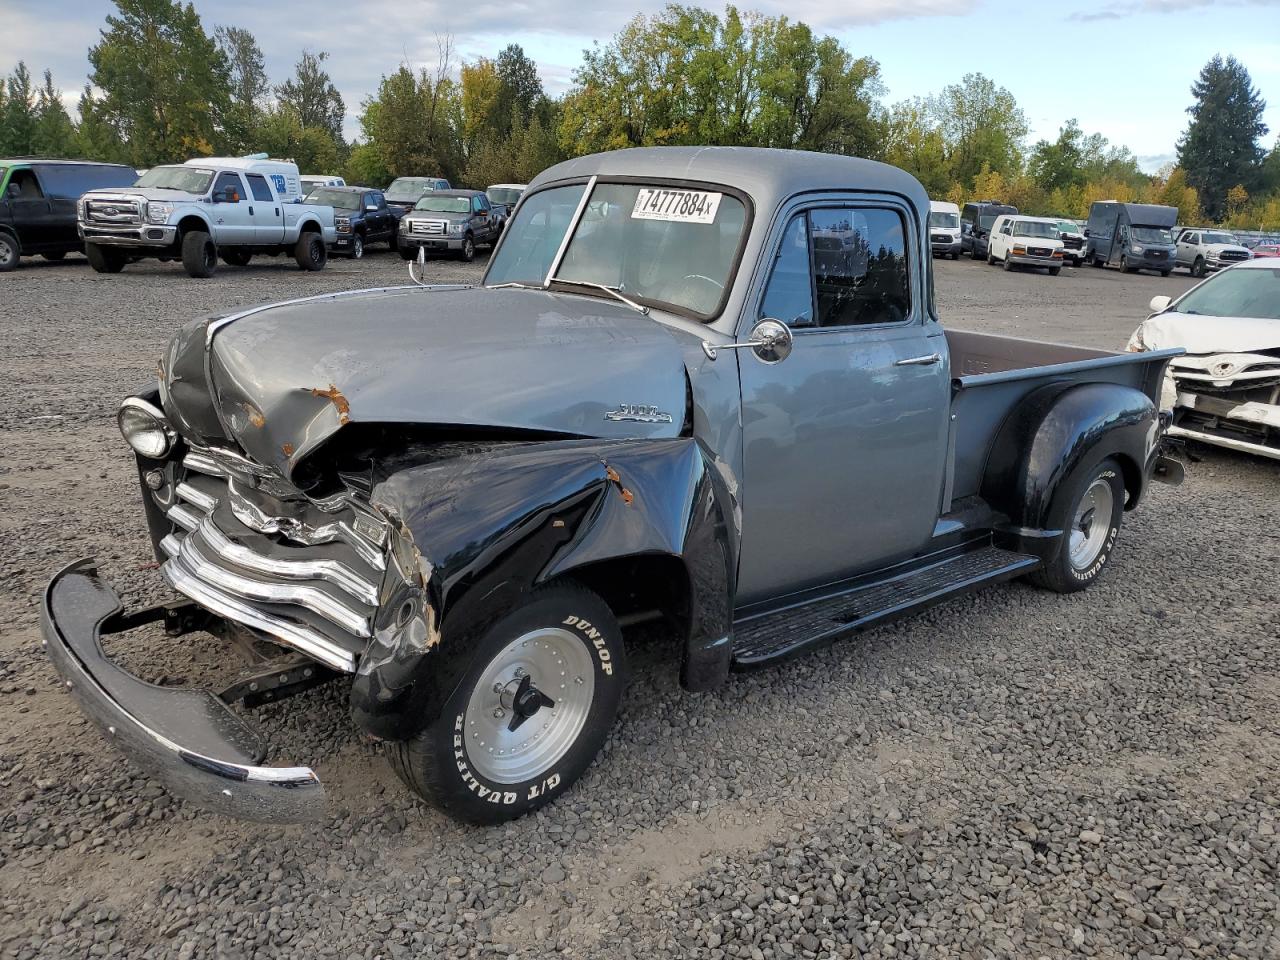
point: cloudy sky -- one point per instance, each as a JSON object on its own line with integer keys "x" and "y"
{"x": 1121, "y": 67}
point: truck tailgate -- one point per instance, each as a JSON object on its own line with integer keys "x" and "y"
{"x": 991, "y": 374}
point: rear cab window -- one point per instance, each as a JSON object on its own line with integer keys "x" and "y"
{"x": 261, "y": 189}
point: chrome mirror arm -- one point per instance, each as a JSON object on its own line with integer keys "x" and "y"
{"x": 770, "y": 340}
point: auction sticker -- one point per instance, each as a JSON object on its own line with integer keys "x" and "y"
{"x": 680, "y": 206}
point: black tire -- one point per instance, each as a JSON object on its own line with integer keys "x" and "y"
{"x": 236, "y": 257}
{"x": 1164, "y": 273}
{"x": 973, "y": 254}
{"x": 1061, "y": 573}
{"x": 1124, "y": 265}
{"x": 1054, "y": 271}
{"x": 309, "y": 252}
{"x": 408, "y": 253}
{"x": 1008, "y": 264}
{"x": 357, "y": 247}
{"x": 103, "y": 260}
{"x": 438, "y": 764}
{"x": 1098, "y": 263}
{"x": 10, "y": 252}
{"x": 55, "y": 256}
{"x": 199, "y": 254}
{"x": 468, "y": 251}
{"x": 393, "y": 241}
{"x": 1197, "y": 268}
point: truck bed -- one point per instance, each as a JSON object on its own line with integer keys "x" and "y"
{"x": 991, "y": 374}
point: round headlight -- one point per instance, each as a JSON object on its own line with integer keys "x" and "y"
{"x": 145, "y": 428}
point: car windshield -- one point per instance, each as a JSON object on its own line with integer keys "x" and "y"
{"x": 1066, "y": 226}
{"x": 1151, "y": 235}
{"x": 444, "y": 204}
{"x": 338, "y": 199}
{"x": 942, "y": 218}
{"x": 407, "y": 189}
{"x": 670, "y": 246}
{"x": 1214, "y": 236}
{"x": 1236, "y": 292}
{"x": 1033, "y": 228}
{"x": 186, "y": 179}
{"x": 504, "y": 194}
{"x": 987, "y": 220}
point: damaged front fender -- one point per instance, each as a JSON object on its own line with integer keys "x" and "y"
{"x": 484, "y": 531}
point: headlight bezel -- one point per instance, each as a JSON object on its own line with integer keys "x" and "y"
{"x": 159, "y": 211}
{"x": 137, "y": 418}
{"x": 457, "y": 229}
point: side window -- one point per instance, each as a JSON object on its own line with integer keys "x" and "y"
{"x": 23, "y": 185}
{"x": 258, "y": 184}
{"x": 859, "y": 266}
{"x": 228, "y": 186}
{"x": 789, "y": 295}
{"x": 477, "y": 205}
{"x": 378, "y": 200}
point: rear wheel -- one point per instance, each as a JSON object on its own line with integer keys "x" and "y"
{"x": 55, "y": 256}
{"x": 9, "y": 253}
{"x": 310, "y": 252}
{"x": 1088, "y": 507}
{"x": 236, "y": 257}
{"x": 103, "y": 260}
{"x": 529, "y": 715}
{"x": 199, "y": 254}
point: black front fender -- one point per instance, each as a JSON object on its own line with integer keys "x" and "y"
{"x": 489, "y": 528}
{"x": 1055, "y": 429}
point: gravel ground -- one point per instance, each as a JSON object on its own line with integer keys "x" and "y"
{"x": 1013, "y": 774}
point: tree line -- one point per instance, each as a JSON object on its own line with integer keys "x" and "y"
{"x": 164, "y": 88}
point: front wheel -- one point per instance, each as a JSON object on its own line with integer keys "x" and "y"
{"x": 10, "y": 254}
{"x": 1054, "y": 271}
{"x": 1008, "y": 264}
{"x": 1088, "y": 508}
{"x": 468, "y": 252}
{"x": 1124, "y": 265}
{"x": 310, "y": 252}
{"x": 1197, "y": 268}
{"x": 529, "y": 715}
{"x": 199, "y": 254}
{"x": 357, "y": 247}
{"x": 408, "y": 252}
{"x": 1164, "y": 273}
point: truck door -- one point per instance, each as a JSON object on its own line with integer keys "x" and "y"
{"x": 231, "y": 211}
{"x": 264, "y": 208}
{"x": 31, "y": 211}
{"x": 845, "y": 440}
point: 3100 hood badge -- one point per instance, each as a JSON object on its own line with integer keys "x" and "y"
{"x": 638, "y": 412}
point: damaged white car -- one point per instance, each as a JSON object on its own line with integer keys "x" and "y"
{"x": 1226, "y": 389}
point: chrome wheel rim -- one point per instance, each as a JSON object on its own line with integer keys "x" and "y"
{"x": 551, "y": 662}
{"x": 357, "y": 248}
{"x": 1091, "y": 524}
{"x": 6, "y": 250}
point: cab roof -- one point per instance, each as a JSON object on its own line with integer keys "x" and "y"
{"x": 768, "y": 176}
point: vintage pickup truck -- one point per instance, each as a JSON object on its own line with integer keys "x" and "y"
{"x": 703, "y": 385}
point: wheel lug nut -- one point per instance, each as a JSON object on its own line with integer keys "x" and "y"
{"x": 520, "y": 672}
{"x": 499, "y": 714}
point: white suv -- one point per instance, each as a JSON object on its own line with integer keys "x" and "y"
{"x": 1027, "y": 242}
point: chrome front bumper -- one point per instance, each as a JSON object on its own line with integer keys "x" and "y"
{"x": 134, "y": 235}
{"x": 187, "y": 739}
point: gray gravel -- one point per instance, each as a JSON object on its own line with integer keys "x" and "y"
{"x": 1013, "y": 774}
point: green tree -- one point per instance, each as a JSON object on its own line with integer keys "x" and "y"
{"x": 18, "y": 121}
{"x": 96, "y": 138}
{"x": 1059, "y": 165}
{"x": 982, "y": 124}
{"x": 165, "y": 84}
{"x": 519, "y": 88}
{"x": 54, "y": 134}
{"x": 312, "y": 97}
{"x": 915, "y": 144}
{"x": 1220, "y": 147}
{"x": 414, "y": 122}
{"x": 249, "y": 87}
{"x": 280, "y": 134}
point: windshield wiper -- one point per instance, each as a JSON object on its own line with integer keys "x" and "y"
{"x": 614, "y": 291}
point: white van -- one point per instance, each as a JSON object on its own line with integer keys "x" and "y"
{"x": 313, "y": 181}
{"x": 283, "y": 174}
{"x": 944, "y": 229}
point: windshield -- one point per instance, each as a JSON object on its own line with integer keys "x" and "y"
{"x": 664, "y": 245}
{"x": 944, "y": 219}
{"x": 1151, "y": 235}
{"x": 444, "y": 204}
{"x": 1066, "y": 226}
{"x": 338, "y": 199}
{"x": 1236, "y": 292}
{"x": 1032, "y": 228}
{"x": 407, "y": 189}
{"x": 504, "y": 195}
{"x": 187, "y": 179}
{"x": 1213, "y": 236}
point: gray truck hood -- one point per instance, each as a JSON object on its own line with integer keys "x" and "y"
{"x": 148, "y": 193}
{"x": 281, "y": 380}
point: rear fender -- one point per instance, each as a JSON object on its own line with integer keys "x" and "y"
{"x": 1051, "y": 432}
{"x": 489, "y": 528}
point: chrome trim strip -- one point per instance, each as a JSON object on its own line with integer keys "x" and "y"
{"x": 183, "y": 517}
{"x": 171, "y": 544}
{"x": 1244, "y": 446}
{"x": 197, "y": 498}
{"x": 254, "y": 518}
{"x": 568, "y": 233}
{"x": 333, "y": 571}
{"x": 193, "y": 560}
{"x": 203, "y": 463}
{"x": 292, "y": 634}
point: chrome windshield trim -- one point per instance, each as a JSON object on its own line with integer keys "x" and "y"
{"x": 568, "y": 233}
{"x": 192, "y": 559}
{"x": 291, "y": 634}
{"x": 332, "y": 571}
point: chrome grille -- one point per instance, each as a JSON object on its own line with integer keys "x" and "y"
{"x": 428, "y": 228}
{"x": 1233, "y": 255}
{"x": 114, "y": 213}
{"x": 319, "y": 596}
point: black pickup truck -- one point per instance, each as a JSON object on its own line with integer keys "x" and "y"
{"x": 702, "y": 386}
{"x": 360, "y": 216}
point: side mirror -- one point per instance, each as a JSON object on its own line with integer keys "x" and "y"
{"x": 1160, "y": 304}
{"x": 771, "y": 341}
{"x": 1086, "y": 231}
{"x": 371, "y": 208}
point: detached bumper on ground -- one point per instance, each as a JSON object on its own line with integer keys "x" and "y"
{"x": 187, "y": 739}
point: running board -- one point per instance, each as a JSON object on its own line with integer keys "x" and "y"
{"x": 774, "y": 636}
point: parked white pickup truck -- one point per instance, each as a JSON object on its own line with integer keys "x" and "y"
{"x": 196, "y": 212}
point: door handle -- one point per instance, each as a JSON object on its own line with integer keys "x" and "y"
{"x": 919, "y": 361}
{"x": 251, "y": 211}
